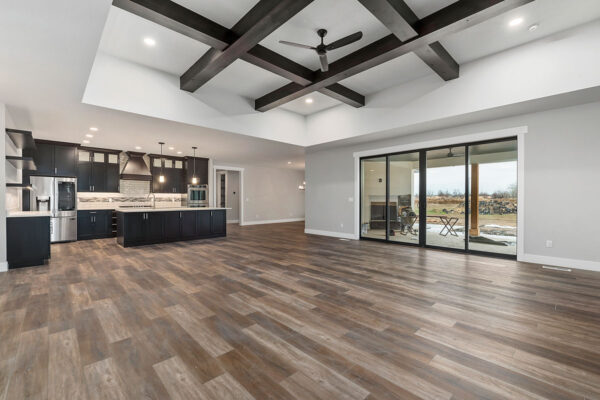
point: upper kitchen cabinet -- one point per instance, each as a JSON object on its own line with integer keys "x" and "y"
{"x": 173, "y": 170}
{"x": 98, "y": 170}
{"x": 201, "y": 170}
{"x": 55, "y": 158}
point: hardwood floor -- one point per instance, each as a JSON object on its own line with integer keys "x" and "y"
{"x": 271, "y": 313}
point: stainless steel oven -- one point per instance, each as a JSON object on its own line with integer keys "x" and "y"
{"x": 197, "y": 195}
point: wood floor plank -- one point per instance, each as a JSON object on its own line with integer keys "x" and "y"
{"x": 111, "y": 321}
{"x": 200, "y": 331}
{"x": 180, "y": 383}
{"x": 65, "y": 379}
{"x": 225, "y": 387}
{"x": 272, "y": 313}
{"x": 30, "y": 377}
{"x": 103, "y": 382}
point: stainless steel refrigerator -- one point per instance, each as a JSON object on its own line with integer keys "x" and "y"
{"x": 59, "y": 196}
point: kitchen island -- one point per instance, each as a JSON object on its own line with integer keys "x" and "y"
{"x": 142, "y": 226}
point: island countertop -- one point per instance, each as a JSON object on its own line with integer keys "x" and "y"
{"x": 163, "y": 209}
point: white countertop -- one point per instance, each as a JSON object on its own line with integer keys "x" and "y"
{"x": 20, "y": 214}
{"x": 95, "y": 206}
{"x": 149, "y": 209}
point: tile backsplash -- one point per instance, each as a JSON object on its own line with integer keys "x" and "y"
{"x": 131, "y": 192}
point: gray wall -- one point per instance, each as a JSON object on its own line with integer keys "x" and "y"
{"x": 270, "y": 194}
{"x": 562, "y": 181}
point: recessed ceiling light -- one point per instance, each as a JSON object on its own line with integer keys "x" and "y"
{"x": 138, "y": 147}
{"x": 534, "y": 27}
{"x": 89, "y": 135}
{"x": 93, "y": 129}
{"x": 179, "y": 152}
{"x": 308, "y": 101}
{"x": 149, "y": 42}
{"x": 171, "y": 148}
{"x": 86, "y": 141}
{"x": 516, "y": 21}
{"x": 289, "y": 163}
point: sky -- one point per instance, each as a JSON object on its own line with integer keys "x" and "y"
{"x": 492, "y": 177}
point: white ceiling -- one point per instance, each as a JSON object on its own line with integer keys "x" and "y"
{"x": 175, "y": 53}
{"x": 48, "y": 49}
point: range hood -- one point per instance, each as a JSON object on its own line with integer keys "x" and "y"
{"x": 135, "y": 168}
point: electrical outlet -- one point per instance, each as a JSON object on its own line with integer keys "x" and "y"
{"x": 350, "y": 199}
{"x": 548, "y": 243}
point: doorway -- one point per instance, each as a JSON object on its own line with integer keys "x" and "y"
{"x": 228, "y": 187}
{"x": 461, "y": 197}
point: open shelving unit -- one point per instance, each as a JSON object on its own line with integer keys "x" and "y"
{"x": 23, "y": 140}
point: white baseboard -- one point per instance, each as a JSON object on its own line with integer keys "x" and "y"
{"x": 561, "y": 262}
{"x": 233, "y": 221}
{"x": 4, "y": 266}
{"x": 332, "y": 234}
{"x": 272, "y": 221}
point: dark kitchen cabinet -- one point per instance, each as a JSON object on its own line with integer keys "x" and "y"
{"x": 98, "y": 179}
{"x": 94, "y": 224}
{"x": 55, "y": 159}
{"x": 138, "y": 228}
{"x": 27, "y": 241}
{"x": 112, "y": 177}
{"x": 172, "y": 226}
{"x": 180, "y": 225}
{"x": 98, "y": 171}
{"x": 201, "y": 170}
{"x": 188, "y": 224}
{"x": 44, "y": 158}
{"x": 173, "y": 170}
{"x": 203, "y": 223}
{"x": 210, "y": 222}
{"x": 65, "y": 160}
{"x": 218, "y": 222}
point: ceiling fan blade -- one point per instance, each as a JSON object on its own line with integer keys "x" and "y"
{"x": 324, "y": 62}
{"x": 304, "y": 46}
{"x": 344, "y": 41}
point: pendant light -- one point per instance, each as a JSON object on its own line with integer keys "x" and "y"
{"x": 194, "y": 179}
{"x": 161, "y": 177}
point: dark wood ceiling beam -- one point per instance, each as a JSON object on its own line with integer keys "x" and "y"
{"x": 397, "y": 16}
{"x": 179, "y": 19}
{"x": 453, "y": 18}
{"x": 299, "y": 74}
{"x": 264, "y": 18}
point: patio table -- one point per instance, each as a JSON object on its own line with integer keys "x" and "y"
{"x": 448, "y": 223}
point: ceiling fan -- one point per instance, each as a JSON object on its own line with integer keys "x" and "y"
{"x": 451, "y": 154}
{"x": 323, "y": 48}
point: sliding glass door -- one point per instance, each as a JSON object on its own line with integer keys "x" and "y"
{"x": 493, "y": 200}
{"x": 403, "y": 198}
{"x": 373, "y": 188}
{"x": 461, "y": 197}
{"x": 446, "y": 197}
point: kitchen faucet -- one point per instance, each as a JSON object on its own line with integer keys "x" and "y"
{"x": 153, "y": 199}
